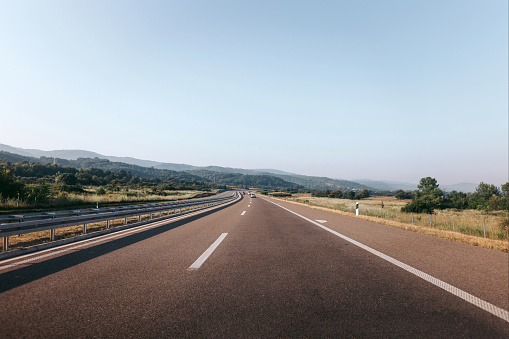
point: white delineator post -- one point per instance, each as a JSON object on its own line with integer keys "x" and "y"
{"x": 357, "y": 209}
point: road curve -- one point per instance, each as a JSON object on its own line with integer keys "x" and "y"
{"x": 269, "y": 273}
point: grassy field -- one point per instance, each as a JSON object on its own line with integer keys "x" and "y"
{"x": 469, "y": 226}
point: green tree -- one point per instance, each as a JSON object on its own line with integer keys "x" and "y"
{"x": 457, "y": 200}
{"x": 350, "y": 195}
{"x": 429, "y": 186}
{"x": 401, "y": 195}
{"x": 9, "y": 186}
{"x": 486, "y": 191}
{"x": 362, "y": 194}
{"x": 39, "y": 192}
{"x": 505, "y": 189}
{"x": 66, "y": 179}
{"x": 480, "y": 199}
{"x": 427, "y": 198}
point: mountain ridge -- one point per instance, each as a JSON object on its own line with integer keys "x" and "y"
{"x": 311, "y": 182}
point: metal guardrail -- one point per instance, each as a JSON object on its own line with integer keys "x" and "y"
{"x": 36, "y": 222}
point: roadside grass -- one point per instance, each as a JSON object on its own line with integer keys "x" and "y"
{"x": 91, "y": 200}
{"x": 463, "y": 226}
{"x": 37, "y": 238}
{"x": 75, "y": 201}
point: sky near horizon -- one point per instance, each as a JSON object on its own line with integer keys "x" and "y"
{"x": 385, "y": 90}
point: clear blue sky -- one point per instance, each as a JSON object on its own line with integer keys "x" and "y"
{"x": 394, "y": 90}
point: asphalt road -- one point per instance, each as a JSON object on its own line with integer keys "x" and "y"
{"x": 274, "y": 274}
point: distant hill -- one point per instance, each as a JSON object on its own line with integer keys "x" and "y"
{"x": 65, "y": 158}
{"x": 210, "y": 177}
{"x": 273, "y": 171}
{"x": 176, "y": 167}
{"x": 323, "y": 183}
{"x": 249, "y": 180}
{"x": 14, "y": 150}
{"x": 383, "y": 185}
{"x": 76, "y": 154}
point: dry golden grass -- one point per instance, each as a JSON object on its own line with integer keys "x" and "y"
{"x": 89, "y": 198}
{"x": 327, "y": 205}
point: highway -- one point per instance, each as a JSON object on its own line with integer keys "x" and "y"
{"x": 258, "y": 268}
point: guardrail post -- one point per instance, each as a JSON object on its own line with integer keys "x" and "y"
{"x": 84, "y": 228}
{"x": 125, "y": 221}
{"x": 52, "y": 234}
{"x": 150, "y": 216}
{"x": 6, "y": 243}
{"x": 107, "y": 224}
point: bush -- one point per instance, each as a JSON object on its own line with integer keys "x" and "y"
{"x": 504, "y": 225}
{"x": 100, "y": 191}
{"x": 281, "y": 194}
{"x": 402, "y": 195}
{"x": 424, "y": 204}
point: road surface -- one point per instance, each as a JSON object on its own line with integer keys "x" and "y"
{"x": 258, "y": 268}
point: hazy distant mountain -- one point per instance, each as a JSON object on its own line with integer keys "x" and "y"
{"x": 76, "y": 154}
{"x": 385, "y": 185}
{"x": 310, "y": 182}
{"x": 176, "y": 167}
{"x": 323, "y": 183}
{"x": 273, "y": 171}
{"x": 10, "y": 149}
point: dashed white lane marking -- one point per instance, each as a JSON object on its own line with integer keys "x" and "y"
{"x": 243, "y": 213}
{"x": 322, "y": 221}
{"x": 484, "y": 305}
{"x": 196, "y": 265}
{"x": 248, "y": 205}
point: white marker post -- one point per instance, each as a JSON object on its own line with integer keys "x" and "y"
{"x": 357, "y": 209}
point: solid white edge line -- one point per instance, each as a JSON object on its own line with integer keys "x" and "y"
{"x": 55, "y": 251}
{"x": 196, "y": 265}
{"x": 484, "y": 305}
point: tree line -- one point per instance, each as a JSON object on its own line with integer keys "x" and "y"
{"x": 364, "y": 193}
{"x": 429, "y": 197}
{"x": 38, "y": 182}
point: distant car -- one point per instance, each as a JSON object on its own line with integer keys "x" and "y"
{"x": 253, "y": 195}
